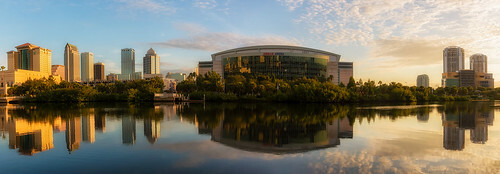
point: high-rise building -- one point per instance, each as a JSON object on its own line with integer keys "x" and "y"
{"x": 58, "y": 70}
{"x": 87, "y": 66}
{"x": 151, "y": 63}
{"x": 479, "y": 63}
{"x": 453, "y": 59}
{"x": 72, "y": 63}
{"x": 423, "y": 80}
{"x": 128, "y": 64}
{"x": 99, "y": 72}
{"x": 28, "y": 62}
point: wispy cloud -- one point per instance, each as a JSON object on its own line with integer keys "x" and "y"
{"x": 205, "y": 4}
{"x": 201, "y": 39}
{"x": 292, "y": 4}
{"x": 363, "y": 21}
{"x": 153, "y": 6}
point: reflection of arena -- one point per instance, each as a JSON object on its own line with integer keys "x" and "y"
{"x": 284, "y": 137}
{"x": 281, "y": 61}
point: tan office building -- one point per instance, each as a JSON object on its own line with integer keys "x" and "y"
{"x": 87, "y": 67}
{"x": 71, "y": 63}
{"x": 28, "y": 62}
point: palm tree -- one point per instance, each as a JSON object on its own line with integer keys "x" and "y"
{"x": 3, "y": 77}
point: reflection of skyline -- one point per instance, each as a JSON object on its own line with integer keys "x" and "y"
{"x": 30, "y": 138}
{"x": 88, "y": 128}
{"x": 286, "y": 137}
{"x": 152, "y": 130}
{"x": 128, "y": 130}
{"x": 456, "y": 123}
{"x": 73, "y": 133}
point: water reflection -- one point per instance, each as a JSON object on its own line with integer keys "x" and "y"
{"x": 457, "y": 118}
{"x": 276, "y": 129}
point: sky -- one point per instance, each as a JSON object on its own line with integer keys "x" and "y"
{"x": 387, "y": 40}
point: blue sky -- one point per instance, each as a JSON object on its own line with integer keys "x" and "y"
{"x": 386, "y": 40}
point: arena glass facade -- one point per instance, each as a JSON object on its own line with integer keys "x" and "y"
{"x": 281, "y": 61}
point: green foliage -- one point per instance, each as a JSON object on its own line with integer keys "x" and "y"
{"x": 46, "y": 90}
{"x": 248, "y": 87}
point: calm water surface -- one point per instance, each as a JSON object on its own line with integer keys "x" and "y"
{"x": 250, "y": 138}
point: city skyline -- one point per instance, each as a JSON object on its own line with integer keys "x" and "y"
{"x": 405, "y": 35}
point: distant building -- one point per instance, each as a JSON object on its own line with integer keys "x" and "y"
{"x": 72, "y": 63}
{"x": 28, "y": 62}
{"x": 151, "y": 76}
{"x": 99, "y": 72}
{"x": 204, "y": 67}
{"x": 87, "y": 66}
{"x": 151, "y": 63}
{"x": 341, "y": 72}
{"x": 423, "y": 80}
{"x": 177, "y": 76}
{"x": 128, "y": 63}
{"x": 58, "y": 70}
{"x": 112, "y": 77}
{"x": 479, "y": 63}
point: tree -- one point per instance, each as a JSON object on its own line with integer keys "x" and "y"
{"x": 352, "y": 83}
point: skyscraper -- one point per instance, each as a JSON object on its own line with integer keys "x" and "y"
{"x": 71, "y": 63}
{"x": 151, "y": 63}
{"x": 87, "y": 66}
{"x": 453, "y": 59}
{"x": 423, "y": 80}
{"x": 99, "y": 72}
{"x": 479, "y": 63}
{"x": 128, "y": 63}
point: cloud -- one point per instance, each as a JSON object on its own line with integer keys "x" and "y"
{"x": 205, "y": 4}
{"x": 201, "y": 39}
{"x": 153, "y": 6}
{"x": 292, "y": 4}
{"x": 408, "y": 52}
{"x": 363, "y": 21}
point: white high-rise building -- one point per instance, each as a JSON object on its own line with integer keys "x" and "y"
{"x": 151, "y": 63}
{"x": 453, "y": 59}
{"x": 479, "y": 63}
{"x": 423, "y": 80}
{"x": 87, "y": 66}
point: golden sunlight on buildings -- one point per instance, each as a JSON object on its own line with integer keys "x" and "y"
{"x": 28, "y": 62}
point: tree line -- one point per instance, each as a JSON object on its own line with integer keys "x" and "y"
{"x": 47, "y": 90}
{"x": 242, "y": 87}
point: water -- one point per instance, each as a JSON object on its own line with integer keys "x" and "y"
{"x": 250, "y": 138}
